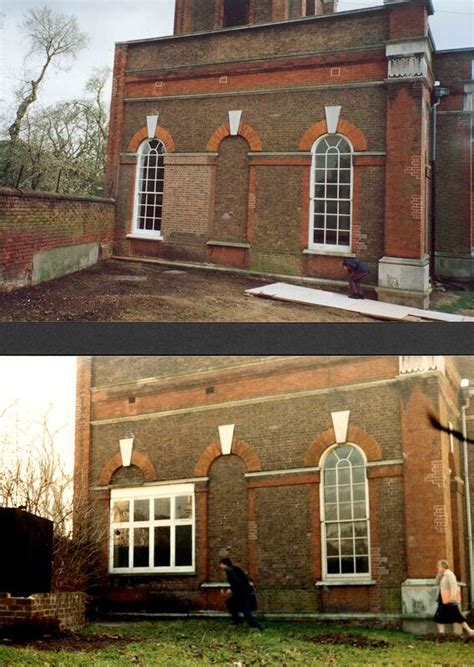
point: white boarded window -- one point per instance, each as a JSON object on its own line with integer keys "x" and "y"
{"x": 148, "y": 210}
{"x": 331, "y": 194}
{"x": 152, "y": 529}
{"x": 345, "y": 514}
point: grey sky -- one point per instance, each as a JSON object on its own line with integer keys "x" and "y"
{"x": 110, "y": 21}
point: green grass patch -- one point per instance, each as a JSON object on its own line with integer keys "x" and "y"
{"x": 198, "y": 643}
{"x": 464, "y": 301}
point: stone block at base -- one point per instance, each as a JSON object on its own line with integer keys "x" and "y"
{"x": 404, "y": 281}
{"x": 404, "y": 297}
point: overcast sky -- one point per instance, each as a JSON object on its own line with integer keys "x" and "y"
{"x": 37, "y": 383}
{"x": 110, "y": 21}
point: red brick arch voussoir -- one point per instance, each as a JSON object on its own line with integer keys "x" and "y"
{"x": 138, "y": 459}
{"x": 161, "y": 133}
{"x": 239, "y": 448}
{"x": 344, "y": 127}
{"x": 223, "y": 132}
{"x": 355, "y": 435}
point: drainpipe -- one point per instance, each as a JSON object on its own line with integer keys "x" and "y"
{"x": 438, "y": 94}
{"x": 468, "y": 495}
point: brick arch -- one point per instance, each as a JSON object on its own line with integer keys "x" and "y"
{"x": 239, "y": 448}
{"x": 344, "y": 127}
{"x": 161, "y": 133}
{"x": 138, "y": 459}
{"x": 356, "y": 435}
{"x": 223, "y": 131}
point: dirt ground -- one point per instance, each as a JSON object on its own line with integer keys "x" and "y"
{"x": 117, "y": 291}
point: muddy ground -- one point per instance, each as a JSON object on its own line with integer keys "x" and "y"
{"x": 117, "y": 291}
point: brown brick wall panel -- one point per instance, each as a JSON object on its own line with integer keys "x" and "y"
{"x": 279, "y": 119}
{"x": 231, "y": 198}
{"x": 227, "y": 514}
{"x": 33, "y": 222}
{"x": 310, "y": 36}
{"x": 284, "y": 555}
{"x": 453, "y": 170}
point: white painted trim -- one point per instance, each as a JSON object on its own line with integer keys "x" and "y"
{"x": 168, "y": 482}
{"x": 150, "y": 236}
{"x": 346, "y": 582}
{"x": 226, "y": 435}
{"x": 234, "y": 121}
{"x": 130, "y": 494}
{"x": 340, "y": 424}
{"x": 135, "y": 231}
{"x": 151, "y": 125}
{"x": 332, "y": 118}
{"x": 287, "y": 471}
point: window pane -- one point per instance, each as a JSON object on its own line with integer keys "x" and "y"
{"x": 162, "y": 508}
{"x": 347, "y": 565}
{"x": 141, "y": 510}
{"x": 332, "y": 139}
{"x": 320, "y": 161}
{"x": 332, "y": 161}
{"x": 360, "y": 529}
{"x": 184, "y": 507}
{"x": 346, "y": 547}
{"x": 329, "y": 477}
{"x": 347, "y": 530}
{"x": 141, "y": 552}
{"x": 162, "y": 546}
{"x": 344, "y": 494}
{"x": 121, "y": 547}
{"x": 120, "y": 511}
{"x": 320, "y": 176}
{"x": 333, "y": 566}
{"x": 359, "y": 491}
{"x": 331, "y": 512}
{"x": 361, "y": 547}
{"x": 332, "y": 207}
{"x": 331, "y": 530}
{"x": 359, "y": 510}
{"x": 331, "y": 176}
{"x": 344, "y": 451}
{"x": 319, "y": 192}
{"x": 344, "y": 175}
{"x": 344, "y": 222}
{"x": 345, "y": 209}
{"x": 344, "y": 192}
{"x": 331, "y": 461}
{"x": 331, "y": 236}
{"x": 330, "y": 494}
{"x": 343, "y": 238}
{"x": 184, "y": 545}
{"x": 362, "y": 564}
{"x": 343, "y": 474}
{"x": 332, "y": 547}
{"x": 319, "y": 236}
{"x": 345, "y": 162}
{"x": 331, "y": 191}
{"x": 345, "y": 511}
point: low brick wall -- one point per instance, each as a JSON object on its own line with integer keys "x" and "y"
{"x": 45, "y": 236}
{"x": 67, "y": 609}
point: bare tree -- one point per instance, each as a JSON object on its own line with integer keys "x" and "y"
{"x": 34, "y": 478}
{"x": 54, "y": 38}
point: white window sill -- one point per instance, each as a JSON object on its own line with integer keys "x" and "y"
{"x": 329, "y": 252}
{"x": 146, "y": 237}
{"x": 215, "y": 584}
{"x": 151, "y": 570}
{"x": 345, "y": 582}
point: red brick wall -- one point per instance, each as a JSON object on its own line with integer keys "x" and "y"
{"x": 68, "y": 609}
{"x": 31, "y": 222}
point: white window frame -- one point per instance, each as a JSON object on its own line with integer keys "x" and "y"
{"x": 352, "y": 576}
{"x": 150, "y": 493}
{"x": 136, "y": 231}
{"x": 329, "y": 247}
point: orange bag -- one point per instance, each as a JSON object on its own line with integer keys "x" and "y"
{"x": 446, "y": 596}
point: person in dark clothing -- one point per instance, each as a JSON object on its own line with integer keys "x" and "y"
{"x": 356, "y": 271}
{"x": 242, "y": 594}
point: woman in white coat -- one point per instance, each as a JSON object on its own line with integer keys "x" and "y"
{"x": 448, "y": 600}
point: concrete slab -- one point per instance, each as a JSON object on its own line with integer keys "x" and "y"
{"x": 377, "y": 309}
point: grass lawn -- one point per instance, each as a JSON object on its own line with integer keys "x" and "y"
{"x": 196, "y": 643}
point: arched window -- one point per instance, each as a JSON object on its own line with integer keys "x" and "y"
{"x": 149, "y": 189}
{"x": 345, "y": 514}
{"x": 331, "y": 194}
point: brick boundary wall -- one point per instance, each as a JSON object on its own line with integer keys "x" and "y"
{"x": 67, "y": 608}
{"x": 45, "y": 235}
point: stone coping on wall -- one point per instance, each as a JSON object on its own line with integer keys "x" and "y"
{"x": 14, "y": 192}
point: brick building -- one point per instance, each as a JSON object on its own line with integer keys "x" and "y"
{"x": 278, "y": 136}
{"x": 321, "y": 476}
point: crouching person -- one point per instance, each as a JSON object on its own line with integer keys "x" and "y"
{"x": 356, "y": 272}
{"x": 241, "y": 599}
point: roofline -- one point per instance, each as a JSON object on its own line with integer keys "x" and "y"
{"x": 255, "y": 26}
{"x": 465, "y": 49}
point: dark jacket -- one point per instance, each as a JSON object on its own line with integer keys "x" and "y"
{"x": 239, "y": 583}
{"x": 356, "y": 265}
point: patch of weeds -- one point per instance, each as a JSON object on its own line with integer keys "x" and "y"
{"x": 464, "y": 301}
